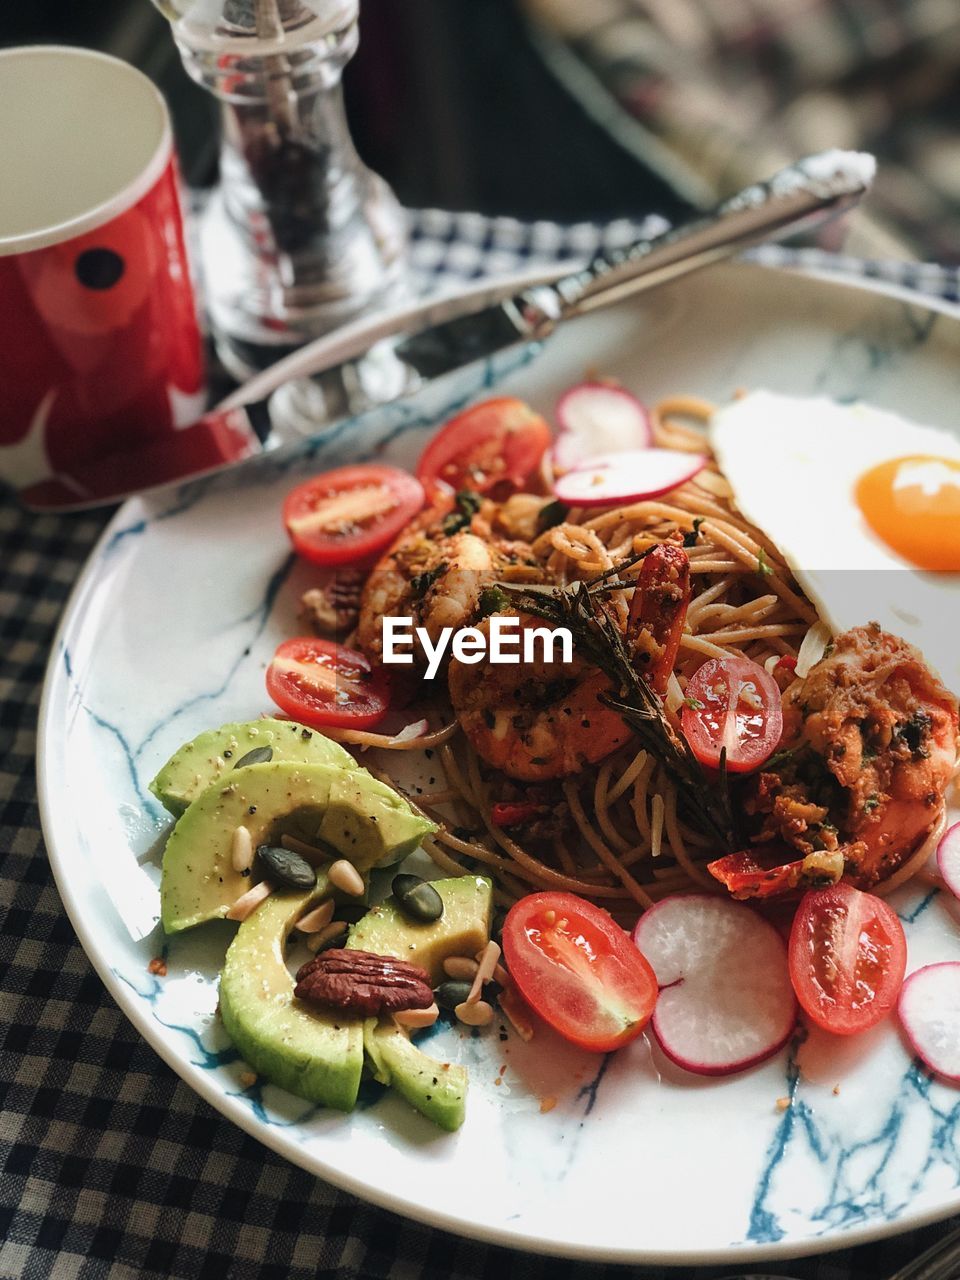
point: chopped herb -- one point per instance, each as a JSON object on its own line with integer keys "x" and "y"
{"x": 778, "y": 758}
{"x": 693, "y": 703}
{"x": 552, "y": 514}
{"x": 492, "y": 600}
{"x": 690, "y": 538}
{"x": 871, "y": 803}
{"x": 422, "y": 582}
{"x": 468, "y": 504}
{"x": 762, "y": 567}
{"x": 913, "y": 734}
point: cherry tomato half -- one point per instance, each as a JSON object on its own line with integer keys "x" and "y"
{"x": 732, "y": 703}
{"x": 847, "y": 956}
{"x": 579, "y": 970}
{"x": 348, "y": 515}
{"x": 497, "y": 440}
{"x": 324, "y": 684}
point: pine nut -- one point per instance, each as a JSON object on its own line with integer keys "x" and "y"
{"x": 516, "y": 1013}
{"x": 316, "y": 919}
{"x": 417, "y": 1017}
{"x": 461, "y": 967}
{"x": 247, "y": 903}
{"x": 486, "y": 963}
{"x": 312, "y": 854}
{"x": 241, "y": 850}
{"x": 344, "y": 875}
{"x": 475, "y": 1014}
{"x": 336, "y": 929}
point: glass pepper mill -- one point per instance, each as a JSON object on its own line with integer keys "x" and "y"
{"x": 299, "y": 237}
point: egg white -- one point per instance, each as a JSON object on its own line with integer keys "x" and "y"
{"x": 793, "y": 464}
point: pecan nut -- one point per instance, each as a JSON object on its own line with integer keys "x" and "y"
{"x": 334, "y": 606}
{"x": 362, "y": 982}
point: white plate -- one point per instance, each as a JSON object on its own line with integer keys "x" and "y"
{"x": 168, "y": 632}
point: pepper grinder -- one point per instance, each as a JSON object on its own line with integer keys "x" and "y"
{"x": 300, "y": 236}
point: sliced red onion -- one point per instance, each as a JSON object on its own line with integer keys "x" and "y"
{"x": 410, "y": 731}
{"x": 594, "y": 418}
{"x": 630, "y": 476}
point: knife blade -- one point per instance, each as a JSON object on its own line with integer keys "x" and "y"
{"x": 331, "y": 377}
{"x": 794, "y": 200}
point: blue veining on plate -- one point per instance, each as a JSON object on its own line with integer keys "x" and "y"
{"x": 253, "y": 1094}
{"x": 146, "y": 801}
{"x": 909, "y": 917}
{"x": 209, "y": 1058}
{"x": 590, "y": 1090}
{"x": 260, "y": 616}
{"x": 764, "y": 1227}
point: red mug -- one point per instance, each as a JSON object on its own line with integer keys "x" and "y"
{"x": 101, "y": 362}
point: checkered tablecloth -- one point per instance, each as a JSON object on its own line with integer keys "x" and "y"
{"x": 111, "y": 1167}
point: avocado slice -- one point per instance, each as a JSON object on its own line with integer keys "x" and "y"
{"x": 198, "y": 881}
{"x": 358, "y": 808}
{"x": 211, "y": 755}
{"x": 438, "y": 1090}
{"x": 462, "y": 930}
{"x": 315, "y": 1054}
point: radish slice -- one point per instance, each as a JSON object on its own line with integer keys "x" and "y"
{"x": 948, "y": 858}
{"x": 613, "y": 478}
{"x": 725, "y": 1000}
{"x": 929, "y": 1008}
{"x": 594, "y": 418}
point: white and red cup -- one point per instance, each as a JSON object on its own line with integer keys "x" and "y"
{"x": 101, "y": 356}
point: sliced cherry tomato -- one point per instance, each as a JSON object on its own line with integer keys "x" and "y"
{"x": 348, "y": 515}
{"x": 321, "y": 683}
{"x": 579, "y": 970}
{"x": 498, "y": 440}
{"x": 732, "y": 703}
{"x": 847, "y": 957}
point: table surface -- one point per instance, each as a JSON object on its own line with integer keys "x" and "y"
{"x": 111, "y": 1166}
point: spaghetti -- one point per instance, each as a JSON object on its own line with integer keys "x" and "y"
{"x": 616, "y": 834}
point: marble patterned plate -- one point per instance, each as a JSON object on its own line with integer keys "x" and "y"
{"x": 168, "y": 632}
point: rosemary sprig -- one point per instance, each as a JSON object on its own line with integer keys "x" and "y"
{"x": 597, "y": 638}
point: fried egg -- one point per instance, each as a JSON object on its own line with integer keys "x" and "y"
{"x": 863, "y": 505}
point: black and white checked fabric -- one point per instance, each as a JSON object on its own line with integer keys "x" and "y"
{"x": 110, "y": 1167}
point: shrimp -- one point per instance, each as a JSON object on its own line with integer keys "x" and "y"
{"x": 535, "y": 720}
{"x": 869, "y": 747}
{"x": 544, "y": 720}
{"x": 435, "y": 579}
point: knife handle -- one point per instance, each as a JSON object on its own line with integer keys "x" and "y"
{"x": 795, "y": 199}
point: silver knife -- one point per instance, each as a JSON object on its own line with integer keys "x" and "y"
{"x": 792, "y": 201}
{"x": 331, "y": 377}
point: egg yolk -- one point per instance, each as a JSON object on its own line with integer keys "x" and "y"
{"x": 913, "y": 504}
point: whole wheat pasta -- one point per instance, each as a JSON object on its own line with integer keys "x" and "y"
{"x": 616, "y": 831}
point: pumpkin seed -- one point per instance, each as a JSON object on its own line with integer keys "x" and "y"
{"x": 351, "y": 912}
{"x": 417, "y": 899}
{"x": 285, "y": 867}
{"x": 259, "y": 755}
{"x": 449, "y": 994}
